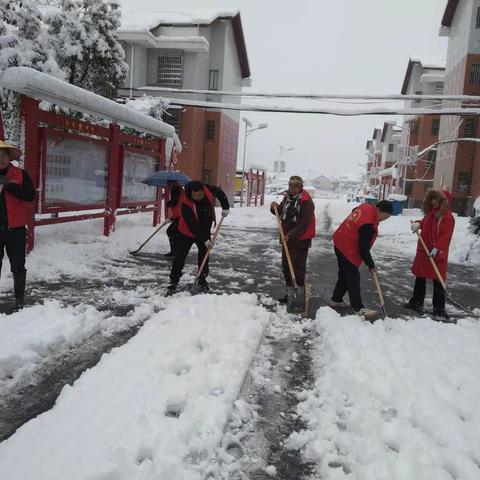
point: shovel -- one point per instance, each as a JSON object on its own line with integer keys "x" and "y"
{"x": 205, "y": 258}
{"x": 148, "y": 239}
{"x": 440, "y": 278}
{"x": 380, "y": 294}
{"x": 295, "y": 294}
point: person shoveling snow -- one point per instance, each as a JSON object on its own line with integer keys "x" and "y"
{"x": 197, "y": 215}
{"x": 436, "y": 232}
{"x": 352, "y": 241}
{"x": 296, "y": 216}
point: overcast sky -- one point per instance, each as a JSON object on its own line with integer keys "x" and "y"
{"x": 341, "y": 46}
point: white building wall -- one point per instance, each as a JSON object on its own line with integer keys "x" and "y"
{"x": 460, "y": 35}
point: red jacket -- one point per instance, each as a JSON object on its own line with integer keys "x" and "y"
{"x": 182, "y": 224}
{"x": 310, "y": 231}
{"x": 17, "y": 210}
{"x": 346, "y": 237}
{"x": 437, "y": 233}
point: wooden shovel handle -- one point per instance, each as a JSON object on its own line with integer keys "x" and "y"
{"x": 379, "y": 290}
{"x": 205, "y": 258}
{"x": 432, "y": 261}
{"x": 284, "y": 243}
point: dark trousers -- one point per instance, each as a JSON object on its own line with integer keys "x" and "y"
{"x": 420, "y": 289}
{"x": 172, "y": 233}
{"x": 348, "y": 281}
{"x": 182, "y": 248}
{"x": 14, "y": 242}
{"x": 299, "y": 254}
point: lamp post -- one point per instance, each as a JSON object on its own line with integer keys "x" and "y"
{"x": 249, "y": 128}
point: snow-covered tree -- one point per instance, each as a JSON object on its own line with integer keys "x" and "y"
{"x": 23, "y": 42}
{"x": 84, "y": 36}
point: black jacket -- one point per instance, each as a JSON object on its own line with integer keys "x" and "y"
{"x": 202, "y": 227}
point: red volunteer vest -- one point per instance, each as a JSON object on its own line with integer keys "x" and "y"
{"x": 16, "y": 209}
{"x": 311, "y": 229}
{"x": 347, "y": 235}
{"x": 182, "y": 224}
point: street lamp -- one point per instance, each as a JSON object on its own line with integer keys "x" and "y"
{"x": 249, "y": 128}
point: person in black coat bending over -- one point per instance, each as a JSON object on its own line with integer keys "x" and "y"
{"x": 16, "y": 191}
{"x": 197, "y": 215}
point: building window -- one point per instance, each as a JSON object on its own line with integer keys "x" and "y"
{"x": 470, "y": 129}
{"x": 210, "y": 130}
{"x": 413, "y": 128}
{"x": 478, "y": 18}
{"x": 435, "y": 127}
{"x": 431, "y": 158}
{"x": 438, "y": 88}
{"x": 213, "y": 80}
{"x": 173, "y": 117}
{"x": 464, "y": 179}
{"x": 418, "y": 93}
{"x": 165, "y": 68}
{"x": 390, "y": 148}
{"x": 475, "y": 74}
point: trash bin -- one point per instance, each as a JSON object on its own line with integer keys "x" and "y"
{"x": 397, "y": 206}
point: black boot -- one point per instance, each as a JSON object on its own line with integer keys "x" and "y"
{"x": 441, "y": 313}
{"x": 19, "y": 281}
{"x": 203, "y": 284}
{"x": 411, "y": 305}
{"x": 171, "y": 289}
{"x": 282, "y": 300}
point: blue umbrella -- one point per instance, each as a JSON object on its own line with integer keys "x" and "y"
{"x": 163, "y": 177}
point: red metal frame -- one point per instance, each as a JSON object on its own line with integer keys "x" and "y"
{"x": 259, "y": 196}
{"x": 37, "y": 125}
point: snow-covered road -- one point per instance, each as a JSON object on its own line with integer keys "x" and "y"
{"x": 177, "y": 398}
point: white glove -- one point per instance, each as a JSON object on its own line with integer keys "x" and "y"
{"x": 225, "y": 213}
{"x": 415, "y": 226}
{"x": 209, "y": 244}
{"x": 433, "y": 252}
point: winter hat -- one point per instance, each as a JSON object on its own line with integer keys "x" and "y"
{"x": 14, "y": 151}
{"x": 296, "y": 180}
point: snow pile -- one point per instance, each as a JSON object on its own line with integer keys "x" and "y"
{"x": 28, "y": 336}
{"x": 153, "y": 408}
{"x": 393, "y": 400}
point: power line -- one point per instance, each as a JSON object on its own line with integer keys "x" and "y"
{"x": 323, "y": 111}
{"x": 312, "y": 96}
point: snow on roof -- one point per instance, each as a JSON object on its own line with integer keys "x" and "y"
{"x": 44, "y": 87}
{"x": 432, "y": 77}
{"x": 429, "y": 62}
{"x": 144, "y": 20}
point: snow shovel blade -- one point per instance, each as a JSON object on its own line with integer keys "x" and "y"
{"x": 458, "y": 305}
{"x": 296, "y": 299}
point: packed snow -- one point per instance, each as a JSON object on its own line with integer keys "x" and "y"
{"x": 392, "y": 400}
{"x": 29, "y": 335}
{"x": 152, "y": 408}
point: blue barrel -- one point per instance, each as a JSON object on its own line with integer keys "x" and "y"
{"x": 397, "y": 206}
